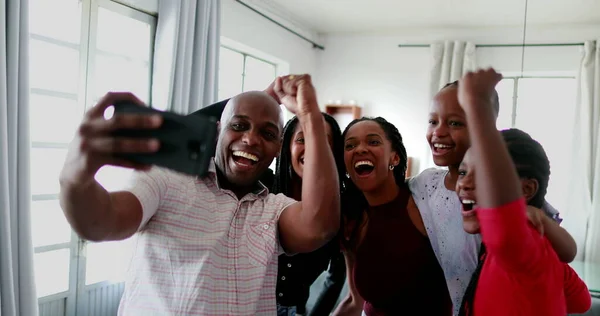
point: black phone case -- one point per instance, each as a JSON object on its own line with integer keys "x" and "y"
{"x": 187, "y": 143}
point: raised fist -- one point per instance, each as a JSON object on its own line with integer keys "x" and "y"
{"x": 476, "y": 89}
{"x": 297, "y": 93}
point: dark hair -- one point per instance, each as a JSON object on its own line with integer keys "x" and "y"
{"x": 531, "y": 162}
{"x": 354, "y": 202}
{"x": 495, "y": 98}
{"x": 284, "y": 170}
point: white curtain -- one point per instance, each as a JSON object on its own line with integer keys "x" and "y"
{"x": 450, "y": 60}
{"x": 582, "y": 219}
{"x": 17, "y": 288}
{"x": 186, "y": 55}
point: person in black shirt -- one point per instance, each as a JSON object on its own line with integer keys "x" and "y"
{"x": 297, "y": 273}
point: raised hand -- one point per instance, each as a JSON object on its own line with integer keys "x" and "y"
{"x": 476, "y": 89}
{"x": 297, "y": 93}
{"x": 94, "y": 146}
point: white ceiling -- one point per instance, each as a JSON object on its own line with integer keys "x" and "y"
{"x": 351, "y": 16}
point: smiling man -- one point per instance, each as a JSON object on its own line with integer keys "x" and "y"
{"x": 205, "y": 246}
{"x": 249, "y": 138}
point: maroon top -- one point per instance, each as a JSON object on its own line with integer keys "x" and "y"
{"x": 396, "y": 271}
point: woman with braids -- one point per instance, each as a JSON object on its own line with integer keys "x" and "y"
{"x": 390, "y": 261}
{"x": 297, "y": 273}
{"x": 434, "y": 193}
{"x": 519, "y": 273}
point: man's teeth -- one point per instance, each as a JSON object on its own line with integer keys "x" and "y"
{"x": 436, "y": 145}
{"x": 471, "y": 202}
{"x": 363, "y": 163}
{"x": 245, "y": 155}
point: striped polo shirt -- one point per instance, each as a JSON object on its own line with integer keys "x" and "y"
{"x": 200, "y": 250}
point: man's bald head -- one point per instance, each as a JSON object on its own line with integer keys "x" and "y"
{"x": 249, "y": 137}
{"x": 256, "y": 99}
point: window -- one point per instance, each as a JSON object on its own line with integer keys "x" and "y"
{"x": 79, "y": 50}
{"x": 545, "y": 109}
{"x": 240, "y": 72}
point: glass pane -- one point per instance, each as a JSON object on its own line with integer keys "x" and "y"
{"x": 53, "y": 67}
{"x": 258, "y": 74}
{"x": 546, "y": 110}
{"x": 52, "y": 272}
{"x": 58, "y": 19}
{"x": 108, "y": 261}
{"x": 505, "y": 88}
{"x": 113, "y": 73}
{"x": 114, "y": 178}
{"x": 46, "y": 164}
{"x": 48, "y": 224}
{"x": 123, "y": 35}
{"x": 43, "y": 129}
{"x": 231, "y": 67}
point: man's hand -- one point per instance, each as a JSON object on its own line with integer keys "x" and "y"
{"x": 476, "y": 89}
{"x": 297, "y": 93}
{"x": 536, "y": 218}
{"x": 94, "y": 146}
{"x": 270, "y": 90}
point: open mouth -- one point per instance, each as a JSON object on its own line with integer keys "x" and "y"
{"x": 364, "y": 168}
{"x": 441, "y": 149}
{"x": 244, "y": 158}
{"x": 301, "y": 160}
{"x": 468, "y": 207}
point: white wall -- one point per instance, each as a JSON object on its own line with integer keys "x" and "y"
{"x": 392, "y": 82}
{"x": 245, "y": 29}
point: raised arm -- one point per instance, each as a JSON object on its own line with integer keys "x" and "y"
{"x": 308, "y": 225}
{"x": 502, "y": 209}
{"x": 94, "y": 213}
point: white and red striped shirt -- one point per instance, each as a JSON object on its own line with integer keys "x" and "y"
{"x": 200, "y": 250}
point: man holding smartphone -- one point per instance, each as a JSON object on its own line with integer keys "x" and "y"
{"x": 205, "y": 246}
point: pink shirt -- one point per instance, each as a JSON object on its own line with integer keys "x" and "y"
{"x": 200, "y": 250}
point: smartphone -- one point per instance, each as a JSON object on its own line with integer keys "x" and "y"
{"x": 187, "y": 143}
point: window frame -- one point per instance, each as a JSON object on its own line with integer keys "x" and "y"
{"x": 84, "y": 98}
{"x": 515, "y": 96}
{"x": 245, "y": 55}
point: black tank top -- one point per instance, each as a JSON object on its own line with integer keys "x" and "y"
{"x": 396, "y": 271}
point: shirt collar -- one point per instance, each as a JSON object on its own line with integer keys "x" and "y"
{"x": 259, "y": 188}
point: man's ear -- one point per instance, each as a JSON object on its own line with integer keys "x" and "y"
{"x": 218, "y": 131}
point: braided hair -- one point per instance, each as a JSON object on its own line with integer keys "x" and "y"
{"x": 283, "y": 165}
{"x": 495, "y": 98}
{"x": 354, "y": 202}
{"x": 531, "y": 162}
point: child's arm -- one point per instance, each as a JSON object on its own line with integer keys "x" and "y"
{"x": 577, "y": 294}
{"x": 563, "y": 244}
{"x": 503, "y": 222}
